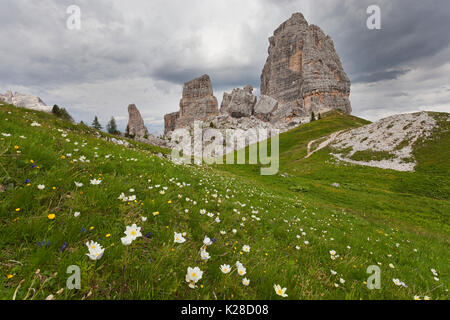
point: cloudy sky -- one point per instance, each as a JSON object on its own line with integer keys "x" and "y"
{"x": 142, "y": 51}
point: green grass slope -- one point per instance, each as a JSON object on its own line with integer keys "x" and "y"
{"x": 290, "y": 223}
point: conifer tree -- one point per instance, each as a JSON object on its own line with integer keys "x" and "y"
{"x": 96, "y": 124}
{"x": 111, "y": 127}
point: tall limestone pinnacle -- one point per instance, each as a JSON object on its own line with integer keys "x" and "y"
{"x": 303, "y": 71}
{"x": 136, "y": 126}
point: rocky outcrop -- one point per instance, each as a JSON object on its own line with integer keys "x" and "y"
{"x": 302, "y": 74}
{"x": 197, "y": 102}
{"x": 25, "y": 101}
{"x": 303, "y": 71}
{"x": 170, "y": 121}
{"x": 388, "y": 143}
{"x": 136, "y": 127}
{"x": 240, "y": 103}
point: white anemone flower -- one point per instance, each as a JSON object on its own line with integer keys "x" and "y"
{"x": 126, "y": 241}
{"x": 204, "y": 255}
{"x": 246, "y": 248}
{"x": 225, "y": 268}
{"x": 95, "y": 182}
{"x": 193, "y": 275}
{"x": 178, "y": 238}
{"x": 279, "y": 291}
{"x": 245, "y": 282}
{"x": 133, "y": 231}
{"x": 95, "y": 250}
{"x": 207, "y": 241}
{"x": 241, "y": 270}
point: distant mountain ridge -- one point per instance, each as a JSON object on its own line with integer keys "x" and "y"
{"x": 25, "y": 101}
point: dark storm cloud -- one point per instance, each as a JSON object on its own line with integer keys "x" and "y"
{"x": 143, "y": 51}
{"x": 410, "y": 30}
{"x": 379, "y": 76}
{"x": 221, "y": 78}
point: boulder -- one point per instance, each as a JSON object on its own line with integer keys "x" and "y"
{"x": 240, "y": 103}
{"x": 264, "y": 107}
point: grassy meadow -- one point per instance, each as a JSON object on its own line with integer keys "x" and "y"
{"x": 60, "y": 187}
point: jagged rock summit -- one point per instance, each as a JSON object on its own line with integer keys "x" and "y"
{"x": 303, "y": 71}
{"x": 302, "y": 74}
{"x": 136, "y": 127}
{"x": 25, "y": 101}
{"x": 197, "y": 103}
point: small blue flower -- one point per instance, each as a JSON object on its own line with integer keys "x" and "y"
{"x": 83, "y": 230}
{"x": 148, "y": 235}
{"x": 27, "y": 181}
{"x": 64, "y": 246}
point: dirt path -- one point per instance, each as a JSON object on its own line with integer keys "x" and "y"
{"x": 325, "y": 143}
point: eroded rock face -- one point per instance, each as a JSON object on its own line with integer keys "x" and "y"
{"x": 170, "y": 121}
{"x": 25, "y": 101}
{"x": 240, "y": 103}
{"x": 303, "y": 71}
{"x": 136, "y": 127}
{"x": 302, "y": 74}
{"x": 197, "y": 103}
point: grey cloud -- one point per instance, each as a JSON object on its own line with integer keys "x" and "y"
{"x": 379, "y": 76}
{"x": 143, "y": 51}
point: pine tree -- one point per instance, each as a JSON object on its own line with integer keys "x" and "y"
{"x": 319, "y": 117}
{"x": 313, "y": 117}
{"x": 96, "y": 124}
{"x": 111, "y": 127}
{"x": 61, "y": 113}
